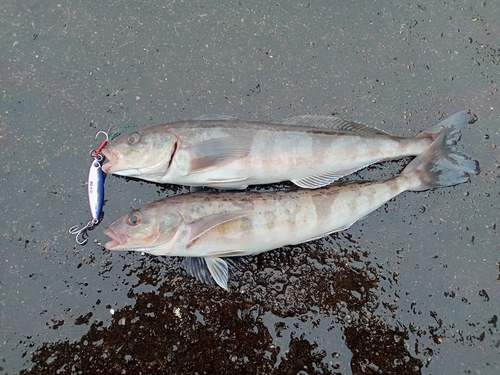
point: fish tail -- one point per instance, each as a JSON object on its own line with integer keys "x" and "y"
{"x": 452, "y": 126}
{"x": 442, "y": 164}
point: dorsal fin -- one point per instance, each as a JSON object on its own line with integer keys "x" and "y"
{"x": 214, "y": 117}
{"x": 331, "y": 123}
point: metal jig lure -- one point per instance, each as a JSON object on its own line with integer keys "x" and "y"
{"x": 95, "y": 193}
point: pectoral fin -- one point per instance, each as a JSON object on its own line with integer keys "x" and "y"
{"x": 206, "y": 223}
{"x": 217, "y": 152}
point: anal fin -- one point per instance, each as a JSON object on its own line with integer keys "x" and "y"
{"x": 320, "y": 180}
{"x": 339, "y": 229}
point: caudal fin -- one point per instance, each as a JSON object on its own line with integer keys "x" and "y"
{"x": 452, "y": 125}
{"x": 442, "y": 165}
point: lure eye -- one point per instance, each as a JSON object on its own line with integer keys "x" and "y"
{"x": 133, "y": 138}
{"x": 134, "y": 218}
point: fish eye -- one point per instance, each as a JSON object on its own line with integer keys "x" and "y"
{"x": 133, "y": 138}
{"x": 134, "y": 218}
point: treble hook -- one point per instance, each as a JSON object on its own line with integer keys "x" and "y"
{"x": 82, "y": 231}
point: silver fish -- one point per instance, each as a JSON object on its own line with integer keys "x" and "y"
{"x": 222, "y": 152}
{"x": 206, "y": 227}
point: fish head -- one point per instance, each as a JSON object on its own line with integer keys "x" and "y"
{"x": 151, "y": 229}
{"x": 145, "y": 154}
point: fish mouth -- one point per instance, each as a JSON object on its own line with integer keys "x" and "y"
{"x": 107, "y": 167}
{"x": 113, "y": 165}
{"x": 117, "y": 239}
{"x": 112, "y": 160}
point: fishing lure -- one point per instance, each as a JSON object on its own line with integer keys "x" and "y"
{"x": 95, "y": 192}
{"x": 96, "y": 186}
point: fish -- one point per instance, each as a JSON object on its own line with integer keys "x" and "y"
{"x": 210, "y": 228}
{"x": 221, "y": 152}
